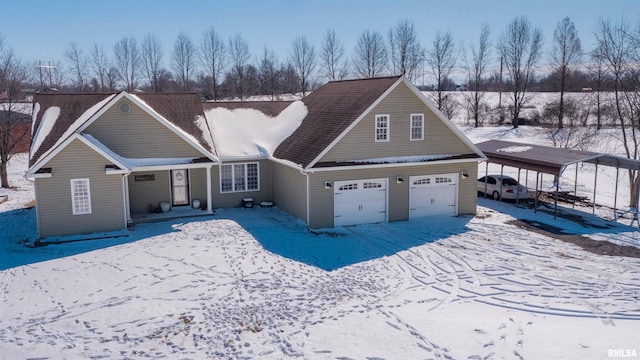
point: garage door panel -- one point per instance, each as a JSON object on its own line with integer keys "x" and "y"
{"x": 360, "y": 202}
{"x": 432, "y": 195}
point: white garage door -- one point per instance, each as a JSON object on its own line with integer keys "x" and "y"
{"x": 360, "y": 202}
{"x": 431, "y": 195}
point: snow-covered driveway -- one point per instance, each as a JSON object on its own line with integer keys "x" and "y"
{"x": 253, "y": 283}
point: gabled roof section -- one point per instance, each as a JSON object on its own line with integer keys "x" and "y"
{"x": 58, "y": 116}
{"x": 333, "y": 108}
{"x": 62, "y": 111}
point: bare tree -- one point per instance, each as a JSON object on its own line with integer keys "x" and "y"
{"x": 100, "y": 64}
{"x": 597, "y": 70}
{"x": 441, "y": 59}
{"x": 566, "y": 52}
{"x": 14, "y": 125}
{"x": 127, "y": 62}
{"x": 406, "y": 52}
{"x": 268, "y": 74}
{"x": 303, "y": 58}
{"x": 212, "y": 58}
{"x": 618, "y": 47}
{"x": 152, "y": 61}
{"x": 335, "y": 66}
{"x": 520, "y": 48}
{"x": 78, "y": 64}
{"x": 239, "y": 60}
{"x": 184, "y": 60}
{"x": 475, "y": 69}
{"x": 370, "y": 55}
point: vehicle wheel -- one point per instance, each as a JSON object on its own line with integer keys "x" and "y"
{"x": 496, "y": 195}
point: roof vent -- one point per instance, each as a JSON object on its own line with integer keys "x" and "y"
{"x": 124, "y": 107}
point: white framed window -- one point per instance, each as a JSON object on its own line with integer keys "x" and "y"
{"x": 80, "y": 196}
{"x": 417, "y": 126}
{"x": 382, "y": 128}
{"x": 239, "y": 177}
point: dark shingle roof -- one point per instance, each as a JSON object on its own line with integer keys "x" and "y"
{"x": 180, "y": 109}
{"x": 270, "y": 108}
{"x": 71, "y": 107}
{"x": 332, "y": 108}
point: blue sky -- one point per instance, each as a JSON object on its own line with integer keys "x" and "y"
{"x": 43, "y": 29}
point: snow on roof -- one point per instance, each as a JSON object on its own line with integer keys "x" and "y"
{"x": 515, "y": 149}
{"x": 403, "y": 159}
{"x": 131, "y": 163}
{"x": 44, "y": 130}
{"x": 249, "y": 133}
{"x": 48, "y": 120}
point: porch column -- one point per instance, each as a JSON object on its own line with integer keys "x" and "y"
{"x": 209, "y": 207}
{"x": 127, "y": 205}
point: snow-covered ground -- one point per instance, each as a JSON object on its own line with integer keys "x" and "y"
{"x": 254, "y": 283}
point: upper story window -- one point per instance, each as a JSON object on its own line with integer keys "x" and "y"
{"x": 382, "y": 128}
{"x": 239, "y": 177}
{"x": 80, "y": 196}
{"x": 417, "y": 126}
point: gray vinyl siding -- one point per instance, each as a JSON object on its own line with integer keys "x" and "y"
{"x": 138, "y": 135}
{"x": 360, "y": 142}
{"x": 290, "y": 190}
{"x": 145, "y": 196}
{"x": 55, "y": 214}
{"x": 234, "y": 199}
{"x": 198, "y": 185}
{"x": 321, "y": 199}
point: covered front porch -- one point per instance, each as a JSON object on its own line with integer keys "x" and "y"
{"x": 175, "y": 189}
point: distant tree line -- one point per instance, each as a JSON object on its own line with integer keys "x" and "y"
{"x": 513, "y": 64}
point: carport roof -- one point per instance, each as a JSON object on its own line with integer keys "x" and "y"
{"x": 547, "y": 159}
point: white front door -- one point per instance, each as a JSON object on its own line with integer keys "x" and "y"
{"x": 360, "y": 202}
{"x": 180, "y": 187}
{"x": 431, "y": 195}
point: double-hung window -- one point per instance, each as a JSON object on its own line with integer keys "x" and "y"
{"x": 239, "y": 177}
{"x": 417, "y": 126}
{"x": 80, "y": 196}
{"x": 382, "y": 128}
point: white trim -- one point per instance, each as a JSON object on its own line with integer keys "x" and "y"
{"x": 354, "y": 123}
{"x": 75, "y": 201}
{"x": 116, "y": 172}
{"x": 127, "y": 201}
{"x": 245, "y": 177}
{"x": 392, "y": 165}
{"x": 387, "y": 128}
{"x": 85, "y": 139}
{"x": 38, "y": 176}
{"x": 170, "y": 167}
{"x": 411, "y": 127}
{"x": 209, "y": 191}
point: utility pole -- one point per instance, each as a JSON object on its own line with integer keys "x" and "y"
{"x": 41, "y": 66}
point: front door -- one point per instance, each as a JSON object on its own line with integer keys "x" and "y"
{"x": 180, "y": 187}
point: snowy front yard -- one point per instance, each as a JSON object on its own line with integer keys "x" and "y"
{"x": 254, "y": 283}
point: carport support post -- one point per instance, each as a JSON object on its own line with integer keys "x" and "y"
{"x": 501, "y": 180}
{"x": 615, "y": 196}
{"x": 595, "y": 184}
{"x": 486, "y": 173}
{"x": 555, "y": 203}
{"x": 575, "y": 187}
{"x": 535, "y": 206}
{"x": 518, "y": 188}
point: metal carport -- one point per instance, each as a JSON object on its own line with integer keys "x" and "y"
{"x": 551, "y": 160}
